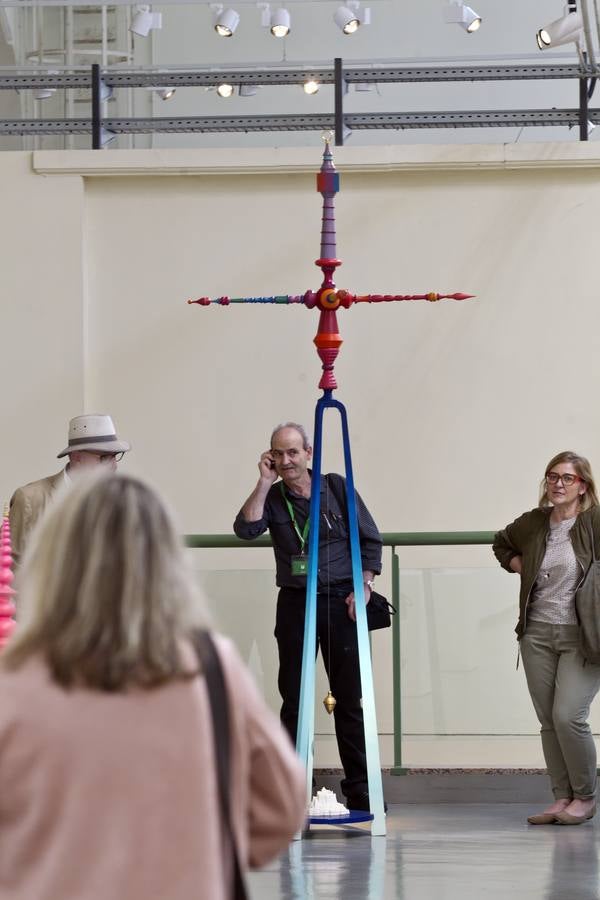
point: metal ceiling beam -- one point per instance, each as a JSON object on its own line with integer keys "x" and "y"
{"x": 406, "y": 74}
{"x": 81, "y": 78}
{"x": 94, "y": 4}
{"x": 312, "y": 122}
{"x": 473, "y": 119}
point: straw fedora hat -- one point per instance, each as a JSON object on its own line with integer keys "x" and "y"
{"x": 94, "y": 432}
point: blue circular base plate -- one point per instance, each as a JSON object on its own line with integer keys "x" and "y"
{"x": 353, "y": 816}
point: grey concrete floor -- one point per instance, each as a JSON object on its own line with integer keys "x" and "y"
{"x": 440, "y": 852}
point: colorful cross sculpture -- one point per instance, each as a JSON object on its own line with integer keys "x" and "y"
{"x": 328, "y": 342}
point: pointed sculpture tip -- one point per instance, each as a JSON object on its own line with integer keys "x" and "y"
{"x": 327, "y": 137}
{"x": 328, "y": 180}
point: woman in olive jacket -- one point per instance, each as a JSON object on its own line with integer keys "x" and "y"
{"x": 550, "y": 548}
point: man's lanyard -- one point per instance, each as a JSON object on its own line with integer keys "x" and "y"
{"x": 302, "y": 535}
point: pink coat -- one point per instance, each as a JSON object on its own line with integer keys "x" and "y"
{"x": 114, "y": 797}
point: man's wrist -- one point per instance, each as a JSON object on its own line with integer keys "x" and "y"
{"x": 370, "y": 583}
{"x": 264, "y": 484}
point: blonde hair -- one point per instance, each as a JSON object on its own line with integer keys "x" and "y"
{"x": 582, "y": 468}
{"x": 105, "y": 589}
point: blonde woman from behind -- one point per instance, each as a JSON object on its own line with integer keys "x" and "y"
{"x": 108, "y": 779}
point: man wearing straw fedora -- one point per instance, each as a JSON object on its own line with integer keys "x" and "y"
{"x": 92, "y": 442}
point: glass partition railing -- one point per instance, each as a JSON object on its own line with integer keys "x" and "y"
{"x": 446, "y": 674}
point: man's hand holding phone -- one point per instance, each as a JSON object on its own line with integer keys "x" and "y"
{"x": 266, "y": 467}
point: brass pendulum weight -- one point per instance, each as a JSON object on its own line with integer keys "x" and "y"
{"x": 329, "y": 702}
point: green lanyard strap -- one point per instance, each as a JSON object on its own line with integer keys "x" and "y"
{"x": 302, "y": 535}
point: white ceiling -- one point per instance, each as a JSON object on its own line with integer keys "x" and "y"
{"x": 412, "y": 32}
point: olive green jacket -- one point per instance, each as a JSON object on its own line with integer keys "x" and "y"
{"x": 526, "y": 537}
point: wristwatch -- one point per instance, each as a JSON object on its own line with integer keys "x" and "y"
{"x": 370, "y": 584}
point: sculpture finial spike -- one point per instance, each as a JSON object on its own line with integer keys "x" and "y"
{"x": 328, "y": 184}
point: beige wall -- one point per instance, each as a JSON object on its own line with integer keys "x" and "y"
{"x": 454, "y": 408}
{"x": 41, "y": 361}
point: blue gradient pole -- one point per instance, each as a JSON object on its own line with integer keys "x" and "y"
{"x": 364, "y": 649}
{"x": 306, "y": 713}
{"x": 306, "y": 718}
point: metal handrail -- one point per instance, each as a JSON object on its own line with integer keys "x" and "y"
{"x": 391, "y": 539}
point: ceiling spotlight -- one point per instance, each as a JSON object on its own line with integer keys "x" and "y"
{"x": 225, "y": 90}
{"x": 227, "y": 20}
{"x": 589, "y": 127}
{"x": 145, "y": 21}
{"x": 456, "y": 13}
{"x": 248, "y": 90}
{"x": 106, "y": 91}
{"x": 311, "y": 86}
{"x": 164, "y": 93}
{"x": 363, "y": 86}
{"x": 346, "y": 18}
{"x": 44, "y": 93}
{"x": 567, "y": 30}
{"x": 350, "y": 17}
{"x": 280, "y": 22}
{"x": 106, "y": 136}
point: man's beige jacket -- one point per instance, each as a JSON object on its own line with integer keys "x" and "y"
{"x": 27, "y": 505}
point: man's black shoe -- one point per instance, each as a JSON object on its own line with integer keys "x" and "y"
{"x": 360, "y": 802}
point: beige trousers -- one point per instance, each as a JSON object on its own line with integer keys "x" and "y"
{"x": 562, "y": 686}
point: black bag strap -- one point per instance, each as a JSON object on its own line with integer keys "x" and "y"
{"x": 339, "y": 496}
{"x": 219, "y": 708}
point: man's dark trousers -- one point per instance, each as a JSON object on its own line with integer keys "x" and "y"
{"x": 336, "y": 635}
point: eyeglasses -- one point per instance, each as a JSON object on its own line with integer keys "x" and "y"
{"x": 567, "y": 479}
{"x": 106, "y": 457}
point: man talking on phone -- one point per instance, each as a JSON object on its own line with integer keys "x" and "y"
{"x": 280, "y": 502}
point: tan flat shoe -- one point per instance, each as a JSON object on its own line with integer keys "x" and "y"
{"x": 565, "y": 818}
{"x": 542, "y": 819}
